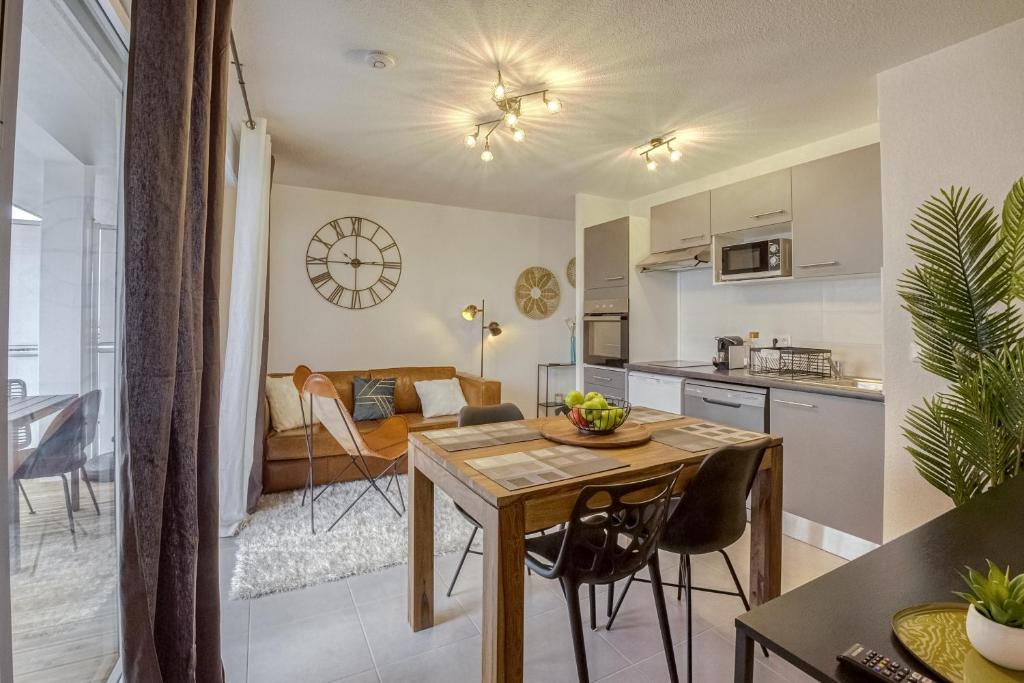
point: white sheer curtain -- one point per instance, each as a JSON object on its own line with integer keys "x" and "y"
{"x": 243, "y": 351}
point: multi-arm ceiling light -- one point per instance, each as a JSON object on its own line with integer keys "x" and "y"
{"x": 511, "y": 114}
{"x": 645, "y": 150}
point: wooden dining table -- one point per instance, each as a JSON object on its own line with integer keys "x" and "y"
{"x": 507, "y": 516}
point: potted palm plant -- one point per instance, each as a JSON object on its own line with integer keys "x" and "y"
{"x": 995, "y": 618}
{"x": 965, "y": 297}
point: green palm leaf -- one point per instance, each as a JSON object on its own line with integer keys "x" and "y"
{"x": 964, "y": 297}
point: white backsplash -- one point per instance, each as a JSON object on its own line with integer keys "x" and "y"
{"x": 843, "y": 314}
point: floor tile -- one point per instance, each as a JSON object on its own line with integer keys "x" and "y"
{"x": 455, "y": 663}
{"x": 322, "y": 648}
{"x": 549, "y": 652}
{"x": 333, "y": 596}
{"x": 386, "y": 625}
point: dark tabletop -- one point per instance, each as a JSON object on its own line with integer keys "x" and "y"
{"x": 810, "y": 625}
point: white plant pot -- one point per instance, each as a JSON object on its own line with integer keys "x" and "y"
{"x": 1000, "y": 644}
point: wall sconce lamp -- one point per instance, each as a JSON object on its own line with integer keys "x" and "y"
{"x": 473, "y": 311}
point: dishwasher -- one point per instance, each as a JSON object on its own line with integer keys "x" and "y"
{"x": 661, "y": 392}
{"x": 742, "y": 407}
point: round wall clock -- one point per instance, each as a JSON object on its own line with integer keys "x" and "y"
{"x": 537, "y": 293}
{"x": 570, "y": 272}
{"x": 353, "y": 262}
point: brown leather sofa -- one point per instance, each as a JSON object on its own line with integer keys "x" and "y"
{"x": 285, "y": 463}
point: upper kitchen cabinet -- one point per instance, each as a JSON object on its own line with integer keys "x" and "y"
{"x": 606, "y": 255}
{"x": 837, "y": 214}
{"x": 682, "y": 223}
{"x": 764, "y": 200}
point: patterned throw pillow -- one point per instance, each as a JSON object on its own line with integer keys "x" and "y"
{"x": 374, "y": 398}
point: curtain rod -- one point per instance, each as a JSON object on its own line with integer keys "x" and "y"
{"x": 249, "y": 123}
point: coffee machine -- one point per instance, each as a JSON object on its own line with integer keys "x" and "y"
{"x": 721, "y": 359}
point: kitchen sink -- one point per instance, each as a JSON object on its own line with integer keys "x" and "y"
{"x": 865, "y": 383}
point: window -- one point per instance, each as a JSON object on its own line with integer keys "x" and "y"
{"x": 63, "y": 321}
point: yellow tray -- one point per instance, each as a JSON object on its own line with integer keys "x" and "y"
{"x": 936, "y": 634}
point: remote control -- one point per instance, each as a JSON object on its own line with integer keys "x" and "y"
{"x": 881, "y": 667}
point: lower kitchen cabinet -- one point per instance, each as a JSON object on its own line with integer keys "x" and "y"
{"x": 834, "y": 459}
{"x": 610, "y": 382}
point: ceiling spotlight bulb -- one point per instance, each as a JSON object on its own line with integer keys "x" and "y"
{"x": 652, "y": 165}
{"x": 511, "y": 118}
{"x": 486, "y": 155}
{"x": 499, "y": 90}
{"x": 674, "y": 154}
{"x": 554, "y": 104}
{"x": 518, "y": 135}
{"x": 470, "y": 141}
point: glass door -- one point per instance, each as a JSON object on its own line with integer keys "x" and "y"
{"x": 63, "y": 319}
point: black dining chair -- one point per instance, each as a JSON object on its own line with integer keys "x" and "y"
{"x": 61, "y": 449}
{"x": 710, "y": 516}
{"x": 471, "y": 416}
{"x": 613, "y": 532}
{"x": 21, "y": 437}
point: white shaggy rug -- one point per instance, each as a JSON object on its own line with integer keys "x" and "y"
{"x": 277, "y": 553}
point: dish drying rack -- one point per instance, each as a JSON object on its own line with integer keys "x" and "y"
{"x": 790, "y": 361}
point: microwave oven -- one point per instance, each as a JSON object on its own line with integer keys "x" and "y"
{"x": 755, "y": 260}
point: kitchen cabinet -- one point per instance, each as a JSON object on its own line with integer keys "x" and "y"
{"x": 681, "y": 223}
{"x": 764, "y": 200}
{"x": 606, "y": 255}
{"x": 837, "y": 214}
{"x": 610, "y": 382}
{"x": 834, "y": 459}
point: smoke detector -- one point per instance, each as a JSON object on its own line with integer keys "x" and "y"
{"x": 379, "y": 60}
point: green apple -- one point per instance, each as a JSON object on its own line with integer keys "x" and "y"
{"x": 592, "y": 395}
{"x": 601, "y": 401}
{"x": 574, "y": 398}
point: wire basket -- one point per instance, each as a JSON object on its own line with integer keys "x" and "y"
{"x": 599, "y": 420}
{"x": 791, "y": 362}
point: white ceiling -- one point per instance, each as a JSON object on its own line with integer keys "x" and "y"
{"x": 743, "y": 79}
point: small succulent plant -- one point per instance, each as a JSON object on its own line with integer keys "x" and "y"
{"x": 997, "y": 596}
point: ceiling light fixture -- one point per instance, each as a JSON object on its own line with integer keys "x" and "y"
{"x": 665, "y": 141}
{"x": 511, "y": 115}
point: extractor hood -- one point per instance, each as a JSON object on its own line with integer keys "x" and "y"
{"x": 679, "y": 259}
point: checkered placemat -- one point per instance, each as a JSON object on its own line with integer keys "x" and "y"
{"x": 480, "y": 436}
{"x": 643, "y": 415}
{"x": 703, "y": 436}
{"x": 542, "y": 466}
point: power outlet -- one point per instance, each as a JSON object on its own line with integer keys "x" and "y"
{"x": 785, "y": 340}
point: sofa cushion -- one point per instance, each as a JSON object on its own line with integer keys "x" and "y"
{"x": 374, "y": 398}
{"x": 406, "y": 400}
{"x": 440, "y": 397}
{"x": 291, "y": 443}
{"x": 283, "y": 398}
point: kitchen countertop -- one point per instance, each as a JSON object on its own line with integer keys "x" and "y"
{"x": 742, "y": 376}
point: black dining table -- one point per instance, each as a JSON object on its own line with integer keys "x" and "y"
{"x": 21, "y": 412}
{"x": 855, "y": 603}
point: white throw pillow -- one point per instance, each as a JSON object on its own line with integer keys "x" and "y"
{"x": 284, "y": 404}
{"x": 440, "y": 396}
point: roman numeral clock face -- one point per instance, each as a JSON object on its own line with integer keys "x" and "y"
{"x": 353, "y": 262}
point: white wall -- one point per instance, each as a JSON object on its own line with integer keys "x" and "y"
{"x": 841, "y": 314}
{"x": 954, "y": 117}
{"x": 451, "y": 257}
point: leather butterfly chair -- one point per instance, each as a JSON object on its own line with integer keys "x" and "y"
{"x": 710, "y": 516}
{"x": 388, "y": 443}
{"x": 471, "y": 416}
{"x": 21, "y": 438}
{"x": 613, "y": 532}
{"x": 61, "y": 449}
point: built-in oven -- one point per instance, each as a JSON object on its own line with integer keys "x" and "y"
{"x": 754, "y": 260}
{"x": 606, "y": 332}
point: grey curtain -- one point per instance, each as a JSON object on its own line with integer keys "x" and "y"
{"x": 174, "y": 168}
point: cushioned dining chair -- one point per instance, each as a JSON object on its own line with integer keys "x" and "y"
{"x": 61, "y": 449}
{"x": 21, "y": 437}
{"x": 613, "y": 532}
{"x": 710, "y": 516}
{"x": 388, "y": 442}
{"x": 471, "y": 416}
